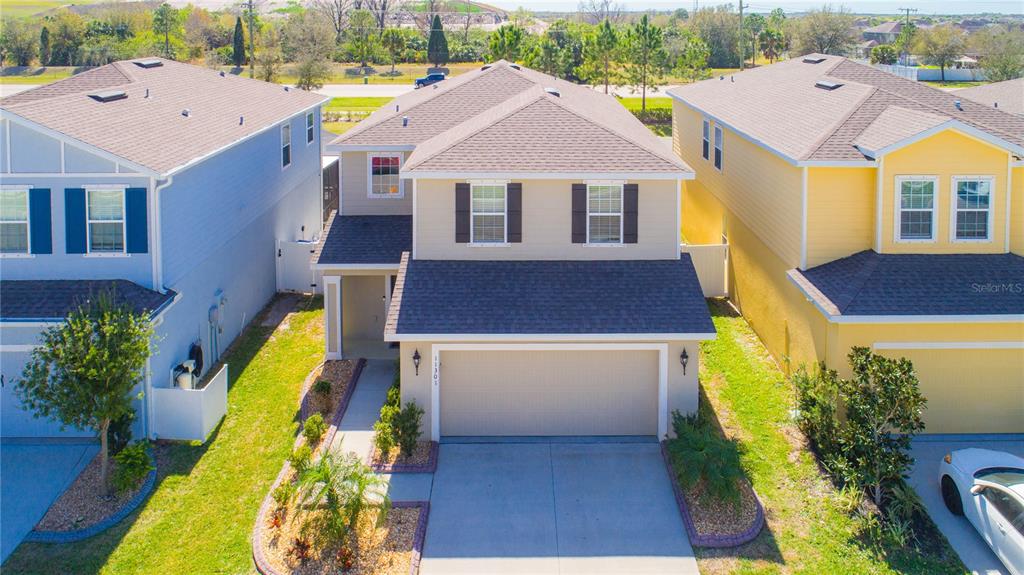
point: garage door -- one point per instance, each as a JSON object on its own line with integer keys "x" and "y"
{"x": 15, "y": 420}
{"x": 549, "y": 392}
{"x": 969, "y": 390}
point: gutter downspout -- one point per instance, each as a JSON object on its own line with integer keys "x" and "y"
{"x": 157, "y": 249}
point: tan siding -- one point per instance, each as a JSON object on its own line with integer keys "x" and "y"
{"x": 840, "y": 213}
{"x": 945, "y": 155}
{"x": 547, "y": 224}
{"x": 755, "y": 185}
{"x": 363, "y": 313}
{"x": 354, "y": 200}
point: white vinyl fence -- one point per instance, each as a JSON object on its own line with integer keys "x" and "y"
{"x": 709, "y": 261}
{"x": 190, "y": 414}
{"x": 293, "y": 267}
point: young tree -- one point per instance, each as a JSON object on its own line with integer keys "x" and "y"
{"x": 66, "y": 37}
{"x": 644, "y": 58}
{"x": 692, "y": 61}
{"x": 1002, "y": 52}
{"x": 883, "y": 406}
{"x": 310, "y": 40}
{"x": 336, "y": 12}
{"x": 44, "y": 46}
{"x": 84, "y": 371}
{"x": 884, "y": 54}
{"x": 825, "y": 31}
{"x": 19, "y": 42}
{"x": 772, "y": 43}
{"x": 238, "y": 44}
{"x": 941, "y": 46}
{"x": 906, "y": 40}
{"x": 362, "y": 37}
{"x": 506, "y": 43}
{"x": 437, "y": 46}
{"x": 719, "y": 28}
{"x": 268, "y": 55}
{"x": 166, "y": 21}
{"x": 753, "y": 25}
{"x": 394, "y": 43}
{"x": 600, "y": 51}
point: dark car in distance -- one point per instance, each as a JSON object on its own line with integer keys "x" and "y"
{"x": 429, "y": 79}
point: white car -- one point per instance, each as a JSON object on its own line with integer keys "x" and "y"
{"x": 987, "y": 487}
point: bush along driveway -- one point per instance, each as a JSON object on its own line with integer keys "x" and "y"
{"x": 810, "y": 526}
{"x": 200, "y": 516}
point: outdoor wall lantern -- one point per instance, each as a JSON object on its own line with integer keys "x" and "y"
{"x": 416, "y": 360}
{"x": 684, "y": 358}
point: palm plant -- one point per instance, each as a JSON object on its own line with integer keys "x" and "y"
{"x": 341, "y": 489}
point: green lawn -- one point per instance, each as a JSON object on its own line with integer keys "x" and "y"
{"x": 950, "y": 84}
{"x": 200, "y": 517}
{"x": 807, "y": 530}
{"x": 632, "y": 103}
{"x": 34, "y": 74}
{"x": 356, "y": 104}
{"x": 26, "y": 8}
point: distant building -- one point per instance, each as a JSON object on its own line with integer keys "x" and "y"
{"x": 885, "y": 33}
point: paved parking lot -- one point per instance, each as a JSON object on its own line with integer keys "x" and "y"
{"x": 927, "y": 452}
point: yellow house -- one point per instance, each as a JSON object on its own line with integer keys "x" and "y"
{"x": 863, "y": 209}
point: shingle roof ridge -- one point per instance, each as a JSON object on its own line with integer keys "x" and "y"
{"x": 18, "y": 102}
{"x": 836, "y": 126}
{"x": 384, "y": 114}
{"x": 864, "y": 275}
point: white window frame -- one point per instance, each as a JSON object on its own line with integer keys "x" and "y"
{"x": 705, "y": 138}
{"x": 28, "y": 221}
{"x": 472, "y": 239}
{"x": 898, "y": 209}
{"x": 953, "y": 210}
{"x": 369, "y": 176}
{"x": 719, "y": 147}
{"x": 89, "y": 221}
{"x": 310, "y": 127}
{"x": 622, "y": 213}
{"x": 286, "y": 127}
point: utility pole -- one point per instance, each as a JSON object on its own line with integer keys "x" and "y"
{"x": 908, "y": 11}
{"x": 252, "y": 34}
{"x": 741, "y": 43}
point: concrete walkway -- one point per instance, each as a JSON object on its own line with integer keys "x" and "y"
{"x": 35, "y": 474}
{"x": 356, "y": 430}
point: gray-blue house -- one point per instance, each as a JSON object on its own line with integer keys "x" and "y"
{"x": 168, "y": 185}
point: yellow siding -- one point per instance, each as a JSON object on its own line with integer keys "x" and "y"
{"x": 945, "y": 155}
{"x": 702, "y": 215}
{"x": 968, "y": 390}
{"x": 840, "y": 212}
{"x": 1017, "y": 211}
{"x": 759, "y": 187}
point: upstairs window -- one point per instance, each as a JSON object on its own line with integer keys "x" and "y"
{"x": 14, "y": 221}
{"x": 286, "y": 145}
{"x": 972, "y": 205}
{"x": 105, "y": 219}
{"x": 705, "y": 150}
{"x": 718, "y": 148}
{"x": 915, "y": 207}
{"x": 489, "y": 214}
{"x": 310, "y": 127}
{"x": 604, "y": 214}
{"x": 384, "y": 181}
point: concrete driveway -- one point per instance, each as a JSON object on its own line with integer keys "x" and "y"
{"x": 554, "y": 508}
{"x": 35, "y": 474}
{"x": 927, "y": 452}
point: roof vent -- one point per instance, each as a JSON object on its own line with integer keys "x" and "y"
{"x": 187, "y": 113}
{"x": 485, "y": 67}
{"x": 814, "y": 60}
{"x": 148, "y": 63}
{"x": 827, "y": 85}
{"x": 396, "y": 108}
{"x": 109, "y": 95}
{"x": 553, "y": 92}
{"x": 222, "y": 74}
{"x": 514, "y": 66}
{"x": 241, "y": 120}
{"x": 147, "y": 93}
{"x": 958, "y": 106}
{"x": 405, "y": 121}
{"x": 995, "y": 105}
{"x": 286, "y": 89}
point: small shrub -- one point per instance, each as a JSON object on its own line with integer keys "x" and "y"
{"x": 322, "y": 387}
{"x": 904, "y": 503}
{"x": 131, "y": 466}
{"x": 383, "y": 437}
{"x": 394, "y": 398}
{"x": 301, "y": 548}
{"x": 276, "y": 519}
{"x": 283, "y": 493}
{"x": 898, "y": 532}
{"x": 300, "y": 458}
{"x": 346, "y": 558}
{"x": 850, "y": 498}
{"x": 119, "y": 434}
{"x": 699, "y": 455}
{"x": 322, "y": 394}
{"x": 817, "y": 405}
{"x": 314, "y": 428}
{"x": 871, "y": 528}
{"x": 406, "y": 427}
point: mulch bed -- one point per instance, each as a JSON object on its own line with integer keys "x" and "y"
{"x": 86, "y": 503}
{"x": 422, "y": 460}
{"x": 339, "y": 373}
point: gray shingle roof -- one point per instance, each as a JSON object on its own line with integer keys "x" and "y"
{"x": 1008, "y": 95}
{"x": 779, "y": 106}
{"x": 869, "y": 283}
{"x": 548, "y": 297}
{"x": 365, "y": 240}
{"x": 152, "y": 131}
{"x": 24, "y": 300}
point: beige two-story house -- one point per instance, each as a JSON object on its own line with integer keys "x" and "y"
{"x": 517, "y": 236}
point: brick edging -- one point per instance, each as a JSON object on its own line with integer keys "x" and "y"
{"x": 713, "y": 539}
{"x": 262, "y": 565}
{"x": 429, "y": 467}
{"x": 421, "y": 531}
{"x": 35, "y": 536}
